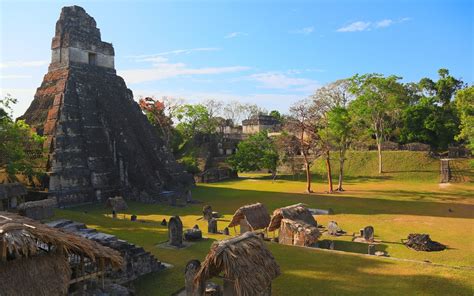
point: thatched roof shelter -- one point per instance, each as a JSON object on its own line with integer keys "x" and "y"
{"x": 37, "y": 255}
{"x": 255, "y": 215}
{"x": 297, "y": 212}
{"x": 244, "y": 260}
{"x": 9, "y": 190}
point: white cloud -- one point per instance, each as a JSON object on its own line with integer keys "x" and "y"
{"x": 303, "y": 31}
{"x": 173, "y": 52}
{"x": 235, "y": 34}
{"x": 277, "y": 80}
{"x": 383, "y": 23}
{"x": 367, "y": 26}
{"x": 162, "y": 71}
{"x": 22, "y": 64}
{"x": 355, "y": 27}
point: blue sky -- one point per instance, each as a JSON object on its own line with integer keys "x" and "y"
{"x": 271, "y": 53}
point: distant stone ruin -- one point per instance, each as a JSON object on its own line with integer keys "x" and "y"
{"x": 99, "y": 143}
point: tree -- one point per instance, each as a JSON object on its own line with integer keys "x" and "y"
{"x": 326, "y": 98}
{"x": 275, "y": 114}
{"x": 465, "y": 105}
{"x": 195, "y": 119}
{"x": 214, "y": 107}
{"x": 442, "y": 90}
{"x": 429, "y": 123}
{"x": 256, "y": 152}
{"x": 378, "y": 104}
{"x": 303, "y": 124}
{"x": 340, "y": 136}
{"x": 234, "y": 111}
{"x": 155, "y": 112}
{"x": 21, "y": 149}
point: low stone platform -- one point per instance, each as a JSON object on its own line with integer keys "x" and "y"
{"x": 138, "y": 262}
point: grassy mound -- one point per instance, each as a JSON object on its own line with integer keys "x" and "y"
{"x": 397, "y": 165}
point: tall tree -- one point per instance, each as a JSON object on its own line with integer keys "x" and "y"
{"x": 326, "y": 98}
{"x": 378, "y": 105}
{"x": 465, "y": 105}
{"x": 155, "y": 112}
{"x": 303, "y": 124}
{"x": 340, "y": 136}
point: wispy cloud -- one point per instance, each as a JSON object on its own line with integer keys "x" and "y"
{"x": 22, "y": 64}
{"x": 173, "y": 52}
{"x": 283, "y": 81}
{"x": 383, "y": 23}
{"x": 162, "y": 71}
{"x": 303, "y": 31}
{"x": 235, "y": 34}
{"x": 367, "y": 26}
{"x": 355, "y": 27}
{"x": 161, "y": 68}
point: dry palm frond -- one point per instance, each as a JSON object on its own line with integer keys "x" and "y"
{"x": 245, "y": 260}
{"x": 255, "y": 214}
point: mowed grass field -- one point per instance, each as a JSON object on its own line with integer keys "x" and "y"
{"x": 395, "y": 205}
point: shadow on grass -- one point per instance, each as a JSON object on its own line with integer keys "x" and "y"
{"x": 227, "y": 200}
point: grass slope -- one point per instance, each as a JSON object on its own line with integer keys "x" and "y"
{"x": 397, "y": 165}
{"x": 393, "y": 206}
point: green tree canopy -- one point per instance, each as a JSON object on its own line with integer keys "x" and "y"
{"x": 255, "y": 153}
{"x": 465, "y": 105}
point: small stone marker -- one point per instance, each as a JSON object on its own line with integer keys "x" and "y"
{"x": 369, "y": 233}
{"x": 192, "y": 267}
{"x": 133, "y": 218}
{"x": 226, "y": 231}
{"x": 192, "y": 234}
{"x": 189, "y": 197}
{"x": 212, "y": 226}
{"x": 333, "y": 228}
{"x": 207, "y": 212}
{"x": 163, "y": 222}
{"x": 371, "y": 250}
{"x": 175, "y": 231}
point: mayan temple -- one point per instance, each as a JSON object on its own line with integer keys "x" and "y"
{"x": 99, "y": 143}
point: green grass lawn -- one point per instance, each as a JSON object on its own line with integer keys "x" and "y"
{"x": 394, "y": 206}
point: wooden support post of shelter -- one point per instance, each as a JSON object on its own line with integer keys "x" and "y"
{"x": 3, "y": 250}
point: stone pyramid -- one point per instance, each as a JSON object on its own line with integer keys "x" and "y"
{"x": 99, "y": 143}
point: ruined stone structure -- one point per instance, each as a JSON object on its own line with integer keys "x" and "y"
{"x": 260, "y": 123}
{"x": 99, "y": 142}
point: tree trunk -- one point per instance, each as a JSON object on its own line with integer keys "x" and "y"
{"x": 308, "y": 175}
{"x": 379, "y": 148}
{"x": 328, "y": 168}
{"x": 341, "y": 170}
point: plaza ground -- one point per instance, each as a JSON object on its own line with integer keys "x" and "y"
{"x": 397, "y": 203}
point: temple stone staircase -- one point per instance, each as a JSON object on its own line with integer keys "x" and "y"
{"x": 138, "y": 262}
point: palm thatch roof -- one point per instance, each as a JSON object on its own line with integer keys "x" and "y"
{"x": 297, "y": 212}
{"x": 37, "y": 275}
{"x": 245, "y": 260}
{"x": 8, "y": 190}
{"x": 24, "y": 237}
{"x": 255, "y": 214}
